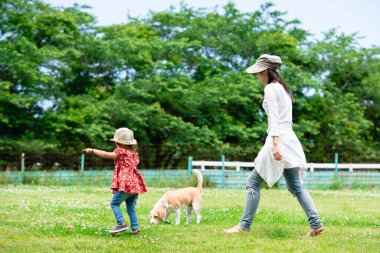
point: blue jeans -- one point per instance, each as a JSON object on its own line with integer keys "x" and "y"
{"x": 130, "y": 200}
{"x": 294, "y": 186}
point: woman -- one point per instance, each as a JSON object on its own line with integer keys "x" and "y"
{"x": 282, "y": 153}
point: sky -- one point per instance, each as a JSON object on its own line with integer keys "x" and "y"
{"x": 316, "y": 16}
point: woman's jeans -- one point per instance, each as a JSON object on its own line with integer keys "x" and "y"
{"x": 130, "y": 200}
{"x": 295, "y": 187}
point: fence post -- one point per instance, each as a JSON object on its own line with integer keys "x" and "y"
{"x": 82, "y": 164}
{"x": 237, "y": 166}
{"x": 223, "y": 171}
{"x": 189, "y": 164}
{"x": 336, "y": 162}
{"x": 22, "y": 167}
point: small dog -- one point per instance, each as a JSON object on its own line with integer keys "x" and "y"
{"x": 172, "y": 201}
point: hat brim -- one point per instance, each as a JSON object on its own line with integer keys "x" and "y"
{"x": 125, "y": 142}
{"x": 255, "y": 68}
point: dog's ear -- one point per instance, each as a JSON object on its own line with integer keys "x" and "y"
{"x": 161, "y": 215}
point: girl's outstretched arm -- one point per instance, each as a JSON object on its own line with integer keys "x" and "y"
{"x": 101, "y": 153}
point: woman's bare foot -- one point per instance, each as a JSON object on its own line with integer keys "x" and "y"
{"x": 236, "y": 229}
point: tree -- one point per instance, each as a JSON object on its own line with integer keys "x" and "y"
{"x": 177, "y": 79}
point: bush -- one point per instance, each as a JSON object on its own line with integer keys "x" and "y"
{"x": 337, "y": 183}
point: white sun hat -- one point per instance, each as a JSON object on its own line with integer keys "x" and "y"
{"x": 124, "y": 136}
{"x": 265, "y": 61}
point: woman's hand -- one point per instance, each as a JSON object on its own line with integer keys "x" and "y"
{"x": 276, "y": 153}
{"x": 276, "y": 148}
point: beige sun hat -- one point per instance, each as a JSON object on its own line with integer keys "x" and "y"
{"x": 265, "y": 61}
{"x": 124, "y": 136}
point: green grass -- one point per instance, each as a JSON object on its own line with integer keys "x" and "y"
{"x": 35, "y": 219}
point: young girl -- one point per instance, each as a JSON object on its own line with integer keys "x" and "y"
{"x": 127, "y": 181}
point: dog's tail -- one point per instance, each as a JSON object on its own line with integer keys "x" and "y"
{"x": 200, "y": 178}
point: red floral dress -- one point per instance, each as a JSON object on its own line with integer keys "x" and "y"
{"x": 126, "y": 177}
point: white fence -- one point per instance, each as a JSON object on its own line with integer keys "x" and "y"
{"x": 342, "y": 166}
{"x": 237, "y": 165}
{"x": 311, "y": 166}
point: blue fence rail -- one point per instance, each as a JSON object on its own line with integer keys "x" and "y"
{"x": 314, "y": 180}
{"x": 217, "y": 178}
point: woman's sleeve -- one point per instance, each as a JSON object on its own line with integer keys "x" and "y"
{"x": 273, "y": 117}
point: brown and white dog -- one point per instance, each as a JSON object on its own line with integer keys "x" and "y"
{"x": 172, "y": 201}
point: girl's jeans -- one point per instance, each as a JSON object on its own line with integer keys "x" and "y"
{"x": 130, "y": 200}
{"x": 294, "y": 186}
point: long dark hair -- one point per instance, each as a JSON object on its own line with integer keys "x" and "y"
{"x": 274, "y": 76}
{"x": 133, "y": 148}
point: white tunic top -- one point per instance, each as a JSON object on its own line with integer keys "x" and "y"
{"x": 278, "y": 106}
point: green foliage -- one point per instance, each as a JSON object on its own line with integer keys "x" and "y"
{"x": 337, "y": 183}
{"x": 361, "y": 186}
{"x": 177, "y": 79}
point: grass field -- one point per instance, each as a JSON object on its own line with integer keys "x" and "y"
{"x": 36, "y": 219}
